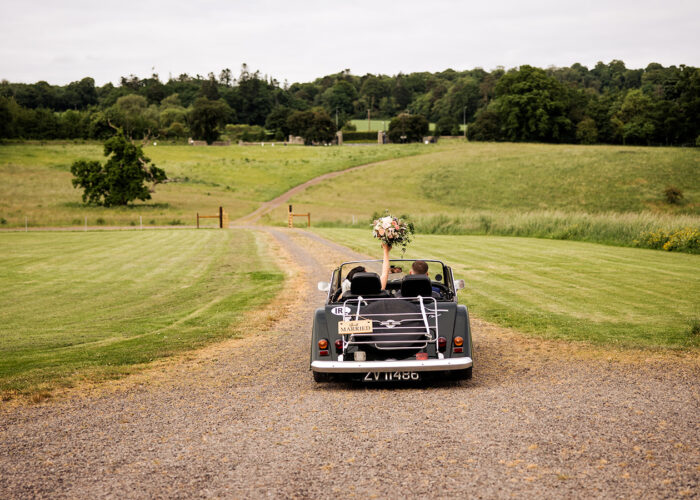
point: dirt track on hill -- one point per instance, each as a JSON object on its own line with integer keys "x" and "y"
{"x": 268, "y": 206}
{"x": 244, "y": 419}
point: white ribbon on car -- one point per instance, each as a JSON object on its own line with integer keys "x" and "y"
{"x": 425, "y": 318}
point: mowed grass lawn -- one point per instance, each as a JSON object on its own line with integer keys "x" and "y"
{"x": 35, "y": 180}
{"x": 567, "y": 290}
{"x": 93, "y": 305}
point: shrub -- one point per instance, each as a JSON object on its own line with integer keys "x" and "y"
{"x": 673, "y": 195}
{"x": 100, "y": 221}
{"x": 683, "y": 240}
{"x": 3, "y": 220}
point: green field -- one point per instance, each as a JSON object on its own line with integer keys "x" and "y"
{"x": 606, "y": 194}
{"x": 100, "y": 304}
{"x": 95, "y": 305}
{"x": 35, "y": 180}
{"x": 566, "y": 290}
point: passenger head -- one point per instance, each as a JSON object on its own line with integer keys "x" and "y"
{"x": 419, "y": 267}
{"x": 354, "y": 271}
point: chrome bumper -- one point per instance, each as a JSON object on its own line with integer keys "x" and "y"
{"x": 429, "y": 365}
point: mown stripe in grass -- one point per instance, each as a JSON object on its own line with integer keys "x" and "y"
{"x": 91, "y": 305}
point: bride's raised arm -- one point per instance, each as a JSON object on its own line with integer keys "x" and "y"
{"x": 385, "y": 265}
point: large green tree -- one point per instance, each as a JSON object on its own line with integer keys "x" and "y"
{"x": 207, "y": 117}
{"x": 340, "y": 96}
{"x": 314, "y": 126}
{"x": 122, "y": 179}
{"x": 533, "y": 107}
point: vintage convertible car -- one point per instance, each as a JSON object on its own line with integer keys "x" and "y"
{"x": 413, "y": 329}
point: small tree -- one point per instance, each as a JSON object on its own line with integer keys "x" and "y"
{"x": 207, "y": 116}
{"x": 121, "y": 179}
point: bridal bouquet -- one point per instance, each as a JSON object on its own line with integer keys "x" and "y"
{"x": 393, "y": 231}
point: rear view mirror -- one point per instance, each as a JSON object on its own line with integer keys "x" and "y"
{"x": 324, "y": 286}
{"x": 459, "y": 284}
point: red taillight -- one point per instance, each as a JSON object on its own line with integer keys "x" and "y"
{"x": 442, "y": 343}
{"x": 459, "y": 341}
{"x": 421, "y": 356}
{"x": 339, "y": 345}
{"x": 323, "y": 344}
{"x": 323, "y": 353}
{"x": 457, "y": 349}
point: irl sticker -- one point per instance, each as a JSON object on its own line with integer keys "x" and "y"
{"x": 340, "y": 310}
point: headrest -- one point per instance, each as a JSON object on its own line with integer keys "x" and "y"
{"x": 414, "y": 285}
{"x": 365, "y": 284}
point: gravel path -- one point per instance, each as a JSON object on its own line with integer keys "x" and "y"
{"x": 245, "y": 419}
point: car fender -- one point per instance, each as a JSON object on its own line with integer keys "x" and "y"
{"x": 319, "y": 331}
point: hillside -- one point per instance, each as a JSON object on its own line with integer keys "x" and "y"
{"x": 609, "y": 194}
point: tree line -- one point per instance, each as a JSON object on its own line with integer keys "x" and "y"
{"x": 608, "y": 103}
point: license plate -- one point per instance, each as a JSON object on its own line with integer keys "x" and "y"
{"x": 391, "y": 376}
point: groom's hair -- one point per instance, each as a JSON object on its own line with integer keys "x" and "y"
{"x": 354, "y": 271}
{"x": 420, "y": 267}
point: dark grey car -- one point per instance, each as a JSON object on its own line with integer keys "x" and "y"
{"x": 413, "y": 329}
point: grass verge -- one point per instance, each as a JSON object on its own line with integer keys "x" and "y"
{"x": 567, "y": 290}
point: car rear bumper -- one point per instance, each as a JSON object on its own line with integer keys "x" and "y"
{"x": 412, "y": 365}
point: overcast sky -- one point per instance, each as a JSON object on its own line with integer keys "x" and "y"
{"x": 64, "y": 41}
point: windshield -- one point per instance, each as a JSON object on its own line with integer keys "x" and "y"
{"x": 398, "y": 268}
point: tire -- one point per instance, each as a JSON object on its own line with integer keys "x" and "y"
{"x": 320, "y": 377}
{"x": 462, "y": 374}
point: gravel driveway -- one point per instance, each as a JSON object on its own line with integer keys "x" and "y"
{"x": 245, "y": 419}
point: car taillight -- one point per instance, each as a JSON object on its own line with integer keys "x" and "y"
{"x": 459, "y": 341}
{"x": 442, "y": 344}
{"x": 339, "y": 345}
{"x": 323, "y": 344}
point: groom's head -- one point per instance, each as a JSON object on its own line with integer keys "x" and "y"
{"x": 419, "y": 267}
